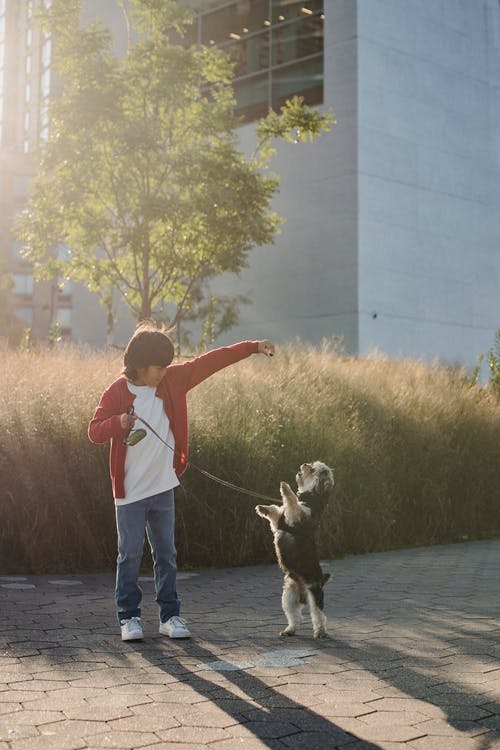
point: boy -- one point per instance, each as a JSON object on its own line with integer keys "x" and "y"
{"x": 144, "y": 474}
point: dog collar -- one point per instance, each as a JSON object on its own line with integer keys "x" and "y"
{"x": 283, "y": 526}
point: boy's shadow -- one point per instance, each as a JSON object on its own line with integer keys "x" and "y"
{"x": 271, "y": 717}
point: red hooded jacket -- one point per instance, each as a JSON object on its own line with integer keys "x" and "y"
{"x": 178, "y": 380}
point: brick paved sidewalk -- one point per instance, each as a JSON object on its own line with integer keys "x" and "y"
{"x": 412, "y": 660}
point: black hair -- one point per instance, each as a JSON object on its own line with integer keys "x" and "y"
{"x": 148, "y": 346}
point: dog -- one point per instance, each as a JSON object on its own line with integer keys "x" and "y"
{"x": 294, "y": 527}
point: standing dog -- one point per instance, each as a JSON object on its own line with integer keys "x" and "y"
{"x": 294, "y": 528}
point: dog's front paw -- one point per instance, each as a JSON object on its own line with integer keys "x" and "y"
{"x": 289, "y": 630}
{"x": 285, "y": 489}
{"x": 320, "y": 633}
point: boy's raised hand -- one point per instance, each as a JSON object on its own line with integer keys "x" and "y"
{"x": 266, "y": 347}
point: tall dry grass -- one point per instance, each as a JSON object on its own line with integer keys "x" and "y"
{"x": 416, "y": 452}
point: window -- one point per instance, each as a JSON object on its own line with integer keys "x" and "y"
{"x": 17, "y": 247}
{"x": 23, "y": 284}
{"x": 46, "y": 51}
{"x": 276, "y": 47}
{"x": 45, "y": 83}
{"x": 63, "y": 317}
{"x": 25, "y": 314}
{"x": 21, "y": 184}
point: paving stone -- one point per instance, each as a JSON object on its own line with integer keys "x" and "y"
{"x": 49, "y": 743}
{"x": 448, "y": 743}
{"x": 10, "y": 708}
{"x": 317, "y": 740}
{"x": 20, "y": 696}
{"x": 457, "y": 728}
{"x": 123, "y": 740}
{"x": 37, "y": 685}
{"x": 390, "y": 732}
{"x": 12, "y": 730}
{"x": 144, "y": 723}
{"x": 36, "y": 718}
{"x": 266, "y": 728}
{"x": 491, "y": 722}
{"x": 72, "y": 728}
{"x": 336, "y": 708}
{"x": 245, "y": 743}
{"x": 394, "y": 718}
{"x": 193, "y": 734}
{"x": 84, "y": 712}
{"x": 406, "y": 704}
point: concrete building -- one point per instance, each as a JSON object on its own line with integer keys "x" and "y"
{"x": 391, "y": 237}
{"x": 392, "y": 233}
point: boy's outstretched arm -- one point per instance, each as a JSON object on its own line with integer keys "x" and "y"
{"x": 196, "y": 370}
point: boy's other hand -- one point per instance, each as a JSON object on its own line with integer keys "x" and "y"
{"x": 127, "y": 421}
{"x": 266, "y": 347}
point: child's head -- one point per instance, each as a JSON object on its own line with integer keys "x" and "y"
{"x": 148, "y": 346}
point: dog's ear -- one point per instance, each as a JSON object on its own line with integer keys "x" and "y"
{"x": 325, "y": 480}
{"x": 263, "y": 510}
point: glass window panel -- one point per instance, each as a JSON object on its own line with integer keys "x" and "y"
{"x": 23, "y": 283}
{"x": 304, "y": 78}
{"x": 28, "y": 64}
{"x": 297, "y": 39}
{"x": 46, "y": 83}
{"x": 25, "y": 314}
{"x": 252, "y": 96}
{"x": 63, "y": 251}
{"x": 250, "y": 55}
{"x": 17, "y": 247}
{"x": 46, "y": 52}
{"x": 65, "y": 286}
{"x": 2, "y": 7}
{"x": 2, "y": 28}
{"x": 241, "y": 17}
{"x": 63, "y": 316}
{"x": 289, "y": 9}
{"x": 2, "y": 55}
{"x": 29, "y": 37}
{"x": 20, "y": 184}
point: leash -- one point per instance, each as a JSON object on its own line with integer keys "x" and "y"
{"x": 206, "y": 473}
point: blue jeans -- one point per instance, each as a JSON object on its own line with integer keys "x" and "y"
{"x": 156, "y": 516}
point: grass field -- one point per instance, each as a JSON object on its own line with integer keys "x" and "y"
{"x": 415, "y": 448}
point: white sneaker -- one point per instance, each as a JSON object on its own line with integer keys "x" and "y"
{"x": 175, "y": 628}
{"x": 131, "y": 629}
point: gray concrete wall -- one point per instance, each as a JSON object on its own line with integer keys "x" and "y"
{"x": 429, "y": 177}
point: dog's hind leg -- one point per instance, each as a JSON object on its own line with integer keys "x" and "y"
{"x": 292, "y": 601}
{"x": 315, "y": 600}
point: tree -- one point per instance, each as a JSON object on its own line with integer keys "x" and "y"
{"x": 141, "y": 181}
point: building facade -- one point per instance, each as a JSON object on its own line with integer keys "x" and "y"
{"x": 391, "y": 237}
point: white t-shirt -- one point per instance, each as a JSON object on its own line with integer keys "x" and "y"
{"x": 149, "y": 465}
